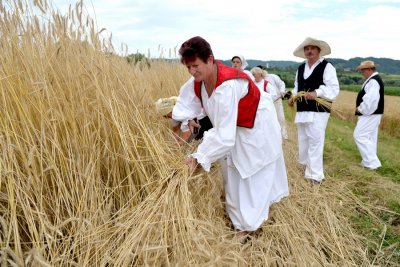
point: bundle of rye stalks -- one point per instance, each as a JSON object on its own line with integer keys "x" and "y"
{"x": 323, "y": 103}
{"x": 320, "y": 101}
{"x": 91, "y": 176}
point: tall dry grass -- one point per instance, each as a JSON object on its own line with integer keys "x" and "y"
{"x": 90, "y": 176}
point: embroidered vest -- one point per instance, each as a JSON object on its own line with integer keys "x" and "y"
{"x": 309, "y": 85}
{"x": 381, "y": 103}
{"x": 248, "y": 105}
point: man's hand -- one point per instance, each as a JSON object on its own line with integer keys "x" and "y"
{"x": 311, "y": 95}
{"x": 168, "y": 115}
{"x": 287, "y": 95}
{"x": 192, "y": 164}
{"x": 194, "y": 126}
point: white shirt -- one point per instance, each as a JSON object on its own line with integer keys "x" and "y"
{"x": 329, "y": 91}
{"x": 371, "y": 97}
{"x": 250, "y": 75}
{"x": 186, "y": 102}
{"x": 250, "y": 149}
{"x": 271, "y": 90}
{"x": 276, "y": 82}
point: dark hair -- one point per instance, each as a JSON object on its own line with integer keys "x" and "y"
{"x": 195, "y": 47}
{"x": 236, "y": 57}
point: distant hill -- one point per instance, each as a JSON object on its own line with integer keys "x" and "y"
{"x": 386, "y": 65}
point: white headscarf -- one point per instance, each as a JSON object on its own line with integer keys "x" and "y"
{"x": 244, "y": 62}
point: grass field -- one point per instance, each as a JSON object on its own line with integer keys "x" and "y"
{"x": 389, "y": 90}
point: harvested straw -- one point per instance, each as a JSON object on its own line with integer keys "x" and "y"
{"x": 319, "y": 101}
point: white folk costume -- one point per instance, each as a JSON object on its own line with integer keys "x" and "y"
{"x": 370, "y": 105}
{"x": 250, "y": 75}
{"x": 312, "y": 119}
{"x": 244, "y": 65}
{"x": 280, "y": 89}
{"x": 251, "y": 158}
{"x": 266, "y": 87}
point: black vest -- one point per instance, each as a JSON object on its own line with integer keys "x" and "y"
{"x": 309, "y": 85}
{"x": 381, "y": 103}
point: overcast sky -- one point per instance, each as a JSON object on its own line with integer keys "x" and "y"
{"x": 265, "y": 30}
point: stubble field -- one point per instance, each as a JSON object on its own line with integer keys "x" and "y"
{"x": 345, "y": 104}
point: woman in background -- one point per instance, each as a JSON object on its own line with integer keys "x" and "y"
{"x": 240, "y": 63}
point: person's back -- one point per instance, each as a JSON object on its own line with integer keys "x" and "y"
{"x": 277, "y": 82}
{"x": 280, "y": 90}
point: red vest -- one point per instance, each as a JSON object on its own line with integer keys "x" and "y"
{"x": 248, "y": 104}
{"x": 265, "y": 85}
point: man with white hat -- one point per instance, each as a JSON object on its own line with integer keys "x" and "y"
{"x": 316, "y": 77}
{"x": 369, "y": 109}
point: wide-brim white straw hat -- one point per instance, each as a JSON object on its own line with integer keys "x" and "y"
{"x": 325, "y": 48}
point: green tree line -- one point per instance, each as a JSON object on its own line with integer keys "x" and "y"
{"x": 349, "y": 78}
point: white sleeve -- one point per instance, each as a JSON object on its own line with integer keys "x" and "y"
{"x": 223, "y": 110}
{"x": 330, "y": 90}
{"x": 273, "y": 91}
{"x": 188, "y": 105}
{"x": 281, "y": 85}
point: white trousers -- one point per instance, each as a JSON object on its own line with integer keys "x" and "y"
{"x": 248, "y": 200}
{"x": 281, "y": 117}
{"x": 311, "y": 138}
{"x": 366, "y": 137}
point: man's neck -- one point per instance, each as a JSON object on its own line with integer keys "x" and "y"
{"x": 310, "y": 63}
{"x": 212, "y": 80}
